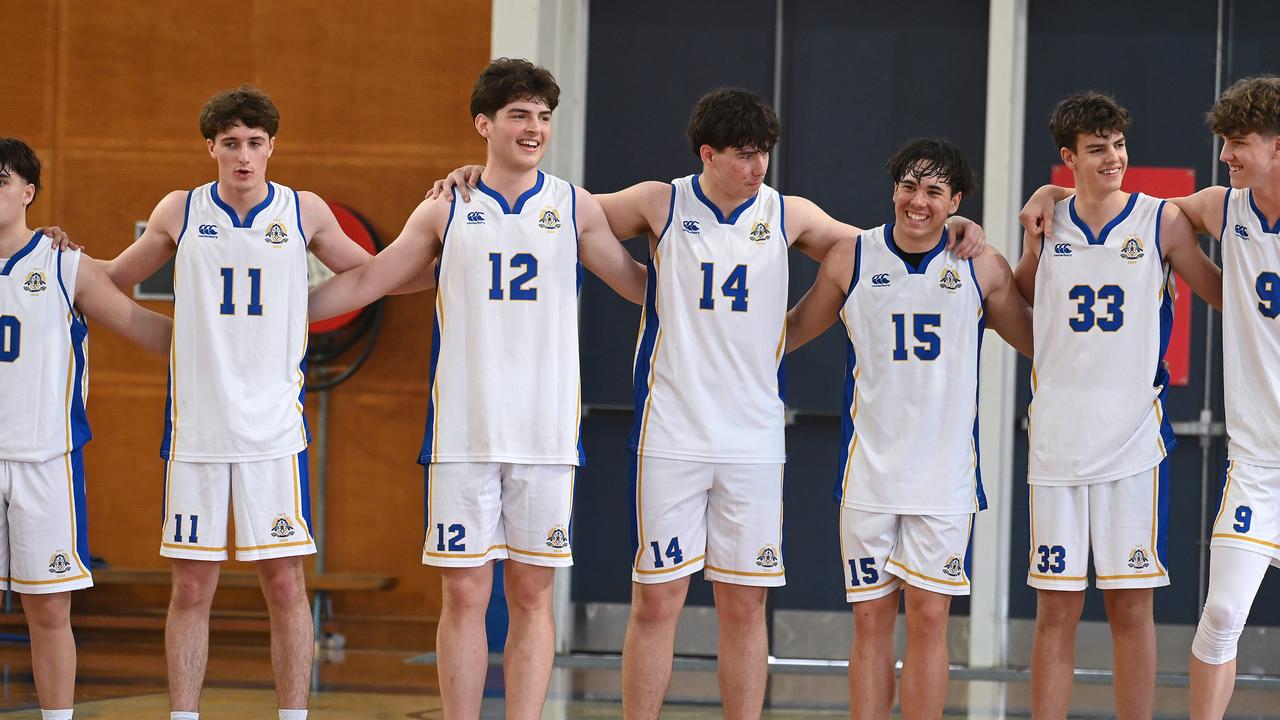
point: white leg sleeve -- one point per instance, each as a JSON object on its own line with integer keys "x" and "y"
{"x": 1234, "y": 577}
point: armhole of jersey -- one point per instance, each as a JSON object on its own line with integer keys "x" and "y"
{"x": 973, "y": 273}
{"x": 448, "y": 221}
{"x": 1226, "y": 202}
{"x": 857, "y": 266}
{"x": 671, "y": 213}
{"x": 573, "y": 211}
{"x": 297, "y": 208}
{"x": 186, "y": 215}
{"x": 1159, "y": 222}
{"x": 62, "y": 284}
{"x": 782, "y": 219}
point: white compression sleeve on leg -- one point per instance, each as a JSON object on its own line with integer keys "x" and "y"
{"x": 1234, "y": 577}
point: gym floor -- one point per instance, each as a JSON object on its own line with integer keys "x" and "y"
{"x": 119, "y": 681}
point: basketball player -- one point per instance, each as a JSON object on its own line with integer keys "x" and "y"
{"x": 234, "y": 429}
{"x": 1245, "y": 217}
{"x": 707, "y": 444}
{"x": 45, "y": 296}
{"x": 910, "y": 482}
{"x": 1098, "y": 435}
{"x": 502, "y": 442}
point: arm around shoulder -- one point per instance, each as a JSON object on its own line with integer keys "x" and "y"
{"x": 811, "y": 230}
{"x": 158, "y": 243}
{"x": 637, "y": 210}
{"x": 603, "y": 255}
{"x": 821, "y": 305}
{"x": 103, "y": 303}
{"x": 1003, "y": 305}
{"x": 1182, "y": 250}
{"x": 1205, "y": 210}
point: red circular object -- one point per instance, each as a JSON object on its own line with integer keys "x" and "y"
{"x": 356, "y": 229}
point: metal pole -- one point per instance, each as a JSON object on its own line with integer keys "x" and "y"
{"x": 775, "y": 164}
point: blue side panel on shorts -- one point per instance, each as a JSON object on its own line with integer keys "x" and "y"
{"x": 426, "y": 500}
{"x": 82, "y": 509}
{"x": 633, "y": 471}
{"x": 1162, "y": 513}
{"x": 304, "y": 490}
{"x": 968, "y": 552}
{"x": 424, "y": 455}
{"x": 644, "y": 353}
{"x": 846, "y": 419}
{"x": 166, "y": 440}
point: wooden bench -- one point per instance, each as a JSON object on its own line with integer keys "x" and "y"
{"x": 322, "y": 583}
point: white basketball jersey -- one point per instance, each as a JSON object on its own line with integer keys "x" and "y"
{"x": 708, "y": 366}
{"x": 505, "y": 385}
{"x": 910, "y": 418}
{"x": 1251, "y": 331}
{"x": 1102, "y": 320}
{"x": 44, "y": 348}
{"x": 236, "y": 368}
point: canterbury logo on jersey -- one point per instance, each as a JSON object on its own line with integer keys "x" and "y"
{"x": 950, "y": 280}
{"x": 881, "y": 280}
{"x": 549, "y": 219}
{"x": 58, "y": 563}
{"x": 1132, "y": 249}
{"x": 1062, "y": 250}
{"x": 277, "y": 234}
{"x": 209, "y": 231}
{"x": 475, "y": 217}
{"x": 281, "y": 527}
{"x": 35, "y": 283}
{"x": 691, "y": 227}
{"x": 759, "y": 233}
{"x": 1242, "y": 232}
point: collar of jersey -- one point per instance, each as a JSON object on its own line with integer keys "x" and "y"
{"x": 1106, "y": 229}
{"x": 924, "y": 262}
{"x": 733, "y": 216}
{"x": 231, "y": 212}
{"x": 25, "y": 251}
{"x": 520, "y": 201}
{"x": 1266, "y": 227}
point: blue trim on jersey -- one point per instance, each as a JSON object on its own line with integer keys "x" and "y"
{"x": 671, "y": 214}
{"x": 1159, "y": 218}
{"x": 78, "y": 417}
{"x": 25, "y": 251}
{"x": 297, "y": 207}
{"x": 1226, "y": 204}
{"x": 1262, "y": 219}
{"x": 846, "y": 422}
{"x": 304, "y": 481}
{"x": 186, "y": 216}
{"x": 782, "y": 220}
{"x": 520, "y": 201}
{"x": 1162, "y": 513}
{"x": 644, "y": 354}
{"x": 973, "y": 273}
{"x": 82, "y": 508}
{"x": 979, "y": 491}
{"x": 428, "y": 436}
{"x": 720, "y": 218}
{"x": 302, "y": 398}
{"x": 426, "y": 501}
{"x": 924, "y": 262}
{"x": 857, "y": 266}
{"x": 63, "y": 286}
{"x": 1162, "y": 374}
{"x": 577, "y": 237}
{"x": 1106, "y": 229}
{"x": 166, "y": 440}
{"x": 253, "y": 212}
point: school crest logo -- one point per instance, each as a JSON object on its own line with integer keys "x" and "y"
{"x": 1138, "y": 558}
{"x": 950, "y": 279}
{"x": 277, "y": 234}
{"x": 549, "y": 219}
{"x": 1131, "y": 250}
{"x": 759, "y": 233}
{"x": 281, "y": 527}
{"x": 557, "y": 538}
{"x": 35, "y": 283}
{"x": 953, "y": 567}
{"x": 59, "y": 564}
{"x": 767, "y": 557}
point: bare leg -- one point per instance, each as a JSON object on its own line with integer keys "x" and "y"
{"x": 871, "y": 658}
{"x": 292, "y": 643}
{"x": 462, "y": 648}
{"x": 1211, "y": 688}
{"x": 53, "y": 649}
{"x": 531, "y": 637}
{"x": 925, "y": 670}
{"x": 743, "y": 650}
{"x": 1133, "y": 637}
{"x": 1053, "y": 652}
{"x": 649, "y": 647}
{"x": 186, "y": 630}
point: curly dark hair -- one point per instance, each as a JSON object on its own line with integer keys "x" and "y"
{"x": 733, "y": 117}
{"x": 936, "y": 158}
{"x": 1250, "y": 105}
{"x": 1087, "y": 113}
{"x": 506, "y": 80}
{"x": 246, "y": 105}
{"x": 17, "y": 158}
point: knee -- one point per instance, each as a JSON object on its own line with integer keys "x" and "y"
{"x": 873, "y": 620}
{"x": 740, "y": 606}
{"x": 466, "y": 590}
{"x": 47, "y": 612}
{"x": 1058, "y": 611}
{"x": 284, "y": 589}
{"x": 529, "y": 593}
{"x": 1129, "y": 609}
{"x": 1218, "y": 633}
{"x": 928, "y": 616}
{"x": 657, "y": 604}
{"x": 194, "y": 585}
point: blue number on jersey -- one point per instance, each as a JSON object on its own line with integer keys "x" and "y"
{"x": 455, "y": 542}
{"x": 177, "y": 529}
{"x": 1268, "y": 287}
{"x": 255, "y": 291}
{"x": 1057, "y": 564}
{"x": 518, "y": 290}
{"x": 923, "y": 327}
{"x": 1244, "y": 519}
{"x": 674, "y": 553}
{"x": 734, "y": 287}
{"x": 10, "y": 338}
{"x": 1085, "y": 318}
{"x": 863, "y": 570}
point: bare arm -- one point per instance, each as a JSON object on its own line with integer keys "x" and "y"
{"x": 821, "y": 305}
{"x": 637, "y": 210}
{"x": 811, "y": 230}
{"x": 1003, "y": 305}
{"x": 339, "y": 253}
{"x": 417, "y": 247}
{"x": 1025, "y": 274}
{"x": 1182, "y": 250}
{"x": 158, "y": 243}
{"x": 103, "y": 303}
{"x": 1037, "y": 215}
{"x": 1204, "y": 210}
{"x": 603, "y": 255}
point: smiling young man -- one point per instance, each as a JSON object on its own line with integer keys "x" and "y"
{"x": 909, "y": 485}
{"x": 1098, "y": 434}
{"x": 46, "y": 294}
{"x": 234, "y": 428}
{"x": 707, "y": 442}
{"x": 502, "y": 443}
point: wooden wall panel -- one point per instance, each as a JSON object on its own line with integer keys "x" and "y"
{"x": 374, "y": 108}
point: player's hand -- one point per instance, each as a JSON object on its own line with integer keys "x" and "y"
{"x": 1037, "y": 215}
{"x": 59, "y": 236}
{"x": 464, "y": 178}
{"x": 967, "y": 237}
